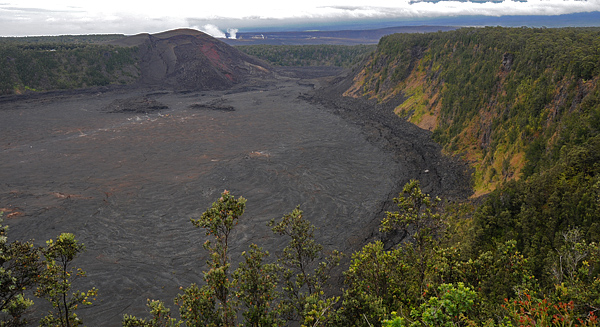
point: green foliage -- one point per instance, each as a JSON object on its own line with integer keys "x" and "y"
{"x": 496, "y": 275}
{"x": 197, "y": 306}
{"x": 51, "y": 66}
{"x": 256, "y": 288}
{"x": 19, "y": 269}
{"x": 451, "y": 308}
{"x": 309, "y": 55}
{"x": 16, "y": 308}
{"x": 319, "y": 310}
{"x": 303, "y": 278}
{"x": 418, "y": 212}
{"x": 378, "y": 281}
{"x": 56, "y": 279}
{"x": 161, "y": 317}
{"x": 575, "y": 272}
{"x": 381, "y": 281}
{"x": 417, "y": 216}
{"x": 403, "y": 279}
{"x": 218, "y": 221}
{"x": 538, "y": 211}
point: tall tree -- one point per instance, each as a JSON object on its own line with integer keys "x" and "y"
{"x": 256, "y": 288}
{"x": 418, "y": 215}
{"x": 55, "y": 283}
{"x": 196, "y": 304}
{"x": 303, "y": 276}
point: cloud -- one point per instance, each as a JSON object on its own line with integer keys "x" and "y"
{"x": 42, "y": 17}
{"x": 439, "y": 8}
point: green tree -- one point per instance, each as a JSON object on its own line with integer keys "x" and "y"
{"x": 256, "y": 288}
{"x": 449, "y": 309}
{"x": 378, "y": 281}
{"x": 161, "y": 317}
{"x": 20, "y": 266}
{"x": 56, "y": 279}
{"x": 418, "y": 216}
{"x": 303, "y": 278}
{"x": 575, "y": 272}
{"x": 197, "y": 306}
{"x": 218, "y": 221}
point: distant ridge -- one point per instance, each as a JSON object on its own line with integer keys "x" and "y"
{"x": 341, "y": 37}
{"x": 191, "y": 59}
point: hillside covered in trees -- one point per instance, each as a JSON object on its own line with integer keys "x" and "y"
{"x": 506, "y": 99}
{"x": 522, "y": 107}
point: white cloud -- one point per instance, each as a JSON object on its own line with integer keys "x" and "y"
{"x": 129, "y": 17}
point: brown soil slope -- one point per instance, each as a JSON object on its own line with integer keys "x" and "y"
{"x": 190, "y": 59}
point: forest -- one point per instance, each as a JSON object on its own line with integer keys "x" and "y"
{"x": 63, "y": 62}
{"x": 521, "y": 105}
{"x": 309, "y": 55}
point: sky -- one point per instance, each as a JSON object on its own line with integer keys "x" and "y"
{"x": 61, "y": 17}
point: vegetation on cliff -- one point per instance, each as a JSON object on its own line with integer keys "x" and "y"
{"x": 523, "y": 106}
{"x": 507, "y": 99}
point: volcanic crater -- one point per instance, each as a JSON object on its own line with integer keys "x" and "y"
{"x": 125, "y": 168}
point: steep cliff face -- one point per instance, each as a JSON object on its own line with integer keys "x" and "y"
{"x": 190, "y": 59}
{"x": 507, "y": 100}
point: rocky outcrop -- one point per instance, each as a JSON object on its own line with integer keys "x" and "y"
{"x": 507, "y": 61}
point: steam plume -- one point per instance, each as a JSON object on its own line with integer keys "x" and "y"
{"x": 232, "y": 32}
{"x": 213, "y": 31}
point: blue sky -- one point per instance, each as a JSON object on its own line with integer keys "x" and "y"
{"x": 20, "y": 18}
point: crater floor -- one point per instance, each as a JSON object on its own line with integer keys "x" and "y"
{"x": 126, "y": 183}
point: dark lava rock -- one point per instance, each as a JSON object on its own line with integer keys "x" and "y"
{"x": 140, "y": 105}
{"x": 218, "y": 104}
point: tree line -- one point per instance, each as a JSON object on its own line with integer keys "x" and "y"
{"x": 309, "y": 55}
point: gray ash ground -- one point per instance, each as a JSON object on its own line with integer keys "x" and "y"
{"x": 127, "y": 183}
